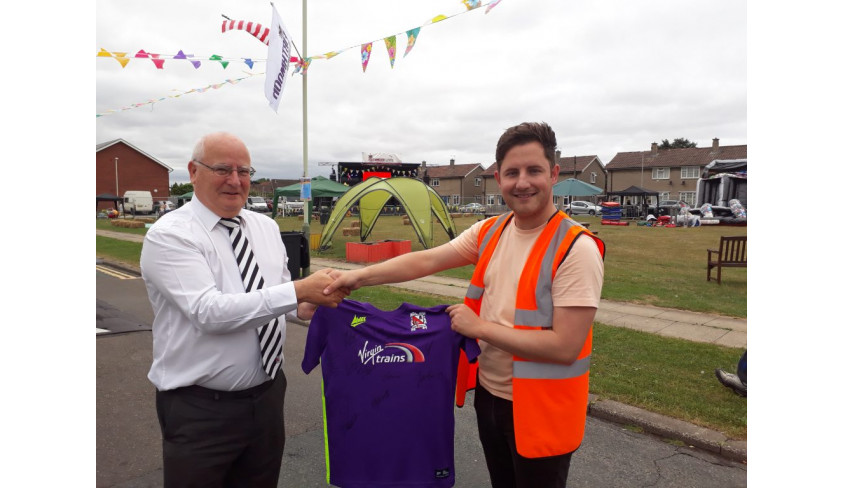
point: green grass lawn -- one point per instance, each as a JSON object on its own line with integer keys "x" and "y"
{"x": 657, "y": 266}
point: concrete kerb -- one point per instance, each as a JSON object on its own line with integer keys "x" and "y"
{"x": 692, "y": 435}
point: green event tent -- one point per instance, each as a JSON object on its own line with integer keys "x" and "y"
{"x": 419, "y": 200}
{"x": 319, "y": 187}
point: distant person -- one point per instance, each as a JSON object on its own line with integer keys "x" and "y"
{"x": 735, "y": 382}
{"x": 531, "y": 304}
{"x": 219, "y": 327}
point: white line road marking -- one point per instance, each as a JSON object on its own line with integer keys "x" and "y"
{"x": 115, "y": 273}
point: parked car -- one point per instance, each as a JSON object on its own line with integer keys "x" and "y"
{"x": 257, "y": 204}
{"x": 578, "y": 207}
{"x": 473, "y": 208}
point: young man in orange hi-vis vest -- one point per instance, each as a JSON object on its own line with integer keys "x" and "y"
{"x": 531, "y": 303}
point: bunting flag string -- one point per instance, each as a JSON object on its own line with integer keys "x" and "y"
{"x": 261, "y": 33}
{"x": 366, "y": 48}
{"x": 158, "y": 59}
{"x": 215, "y": 86}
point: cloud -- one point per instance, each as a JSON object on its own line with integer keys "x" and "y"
{"x": 608, "y": 76}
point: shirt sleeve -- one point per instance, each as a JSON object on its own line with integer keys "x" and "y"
{"x": 175, "y": 266}
{"x": 316, "y": 341}
{"x": 466, "y": 243}
{"x": 579, "y": 280}
{"x": 471, "y": 348}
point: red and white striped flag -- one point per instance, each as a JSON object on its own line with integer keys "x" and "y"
{"x": 253, "y": 28}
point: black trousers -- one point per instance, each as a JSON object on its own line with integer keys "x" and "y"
{"x": 507, "y": 468}
{"x": 223, "y": 439}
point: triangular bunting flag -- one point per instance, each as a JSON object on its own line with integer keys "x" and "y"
{"x": 390, "y": 49}
{"x": 471, "y": 4}
{"x": 217, "y": 57}
{"x": 438, "y": 18}
{"x": 365, "y": 51}
{"x": 103, "y": 53}
{"x": 182, "y": 55}
{"x": 412, "y": 35}
{"x": 249, "y": 62}
{"x": 159, "y": 63}
{"x": 121, "y": 58}
{"x": 141, "y": 54}
{"x": 492, "y": 5}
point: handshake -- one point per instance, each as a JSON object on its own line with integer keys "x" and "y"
{"x": 326, "y": 287}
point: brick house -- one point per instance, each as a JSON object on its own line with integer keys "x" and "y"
{"x": 673, "y": 173}
{"x": 457, "y": 184}
{"x": 122, "y": 167}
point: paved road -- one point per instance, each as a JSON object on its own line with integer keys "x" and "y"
{"x": 128, "y": 439}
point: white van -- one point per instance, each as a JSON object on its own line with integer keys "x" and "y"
{"x": 257, "y": 204}
{"x": 137, "y": 202}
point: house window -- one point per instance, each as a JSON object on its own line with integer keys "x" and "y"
{"x": 689, "y": 197}
{"x": 665, "y": 195}
{"x": 490, "y": 199}
{"x": 690, "y": 172}
{"x": 434, "y": 182}
{"x": 455, "y": 199}
{"x": 661, "y": 173}
{"x": 594, "y": 177}
{"x": 477, "y": 181}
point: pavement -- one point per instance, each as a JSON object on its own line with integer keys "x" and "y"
{"x": 692, "y": 326}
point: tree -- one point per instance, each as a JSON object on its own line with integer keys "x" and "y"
{"x": 180, "y": 189}
{"x": 679, "y": 142}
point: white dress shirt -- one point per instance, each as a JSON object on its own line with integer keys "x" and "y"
{"x": 205, "y": 327}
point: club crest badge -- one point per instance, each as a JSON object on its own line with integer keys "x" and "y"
{"x": 417, "y": 321}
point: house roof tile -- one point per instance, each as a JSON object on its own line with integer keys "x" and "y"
{"x": 106, "y": 144}
{"x": 449, "y": 171}
{"x": 690, "y": 156}
{"x": 567, "y": 164}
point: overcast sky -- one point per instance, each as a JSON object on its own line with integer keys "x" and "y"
{"x": 608, "y": 76}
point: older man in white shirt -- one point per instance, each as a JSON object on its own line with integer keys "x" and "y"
{"x": 220, "y": 410}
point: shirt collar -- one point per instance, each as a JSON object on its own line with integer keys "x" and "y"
{"x": 205, "y": 215}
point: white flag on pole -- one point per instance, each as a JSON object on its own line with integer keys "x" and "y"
{"x": 277, "y": 61}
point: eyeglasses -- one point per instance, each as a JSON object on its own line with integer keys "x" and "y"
{"x": 225, "y": 171}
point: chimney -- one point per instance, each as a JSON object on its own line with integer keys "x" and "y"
{"x": 654, "y": 147}
{"x": 715, "y": 144}
{"x": 424, "y": 164}
{"x": 452, "y": 161}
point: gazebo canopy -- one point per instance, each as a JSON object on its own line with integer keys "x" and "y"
{"x": 633, "y": 191}
{"x": 108, "y": 197}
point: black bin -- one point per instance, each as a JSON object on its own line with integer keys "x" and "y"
{"x": 298, "y": 252}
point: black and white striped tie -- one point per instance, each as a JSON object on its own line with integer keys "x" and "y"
{"x": 269, "y": 335}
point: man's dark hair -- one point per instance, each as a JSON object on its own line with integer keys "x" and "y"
{"x": 528, "y": 132}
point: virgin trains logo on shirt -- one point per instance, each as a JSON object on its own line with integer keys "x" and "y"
{"x": 394, "y": 352}
{"x": 417, "y": 321}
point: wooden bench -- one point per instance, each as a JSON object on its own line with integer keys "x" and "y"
{"x": 732, "y": 254}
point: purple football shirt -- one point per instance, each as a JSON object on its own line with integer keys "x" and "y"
{"x": 388, "y": 393}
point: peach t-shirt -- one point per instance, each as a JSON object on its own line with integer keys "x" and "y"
{"x": 577, "y": 283}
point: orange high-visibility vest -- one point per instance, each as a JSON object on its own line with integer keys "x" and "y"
{"x": 549, "y": 399}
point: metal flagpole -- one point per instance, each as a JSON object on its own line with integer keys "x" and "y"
{"x": 308, "y": 209}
